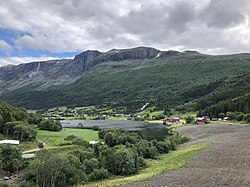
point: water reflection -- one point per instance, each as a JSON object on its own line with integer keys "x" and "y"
{"x": 150, "y": 131}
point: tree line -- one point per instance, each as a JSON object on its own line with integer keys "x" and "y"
{"x": 122, "y": 154}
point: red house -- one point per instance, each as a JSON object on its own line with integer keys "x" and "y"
{"x": 175, "y": 120}
{"x": 201, "y": 120}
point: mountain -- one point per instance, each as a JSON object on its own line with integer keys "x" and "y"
{"x": 55, "y": 72}
{"x": 128, "y": 78}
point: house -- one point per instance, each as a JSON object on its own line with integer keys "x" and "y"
{"x": 94, "y": 142}
{"x": 172, "y": 120}
{"x": 225, "y": 118}
{"x": 13, "y": 142}
{"x": 175, "y": 120}
{"x": 201, "y": 120}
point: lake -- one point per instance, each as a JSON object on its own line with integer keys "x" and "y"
{"x": 150, "y": 131}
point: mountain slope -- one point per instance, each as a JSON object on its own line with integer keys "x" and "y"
{"x": 58, "y": 72}
{"x": 130, "y": 78}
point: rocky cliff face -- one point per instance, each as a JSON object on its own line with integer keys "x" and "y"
{"x": 56, "y": 72}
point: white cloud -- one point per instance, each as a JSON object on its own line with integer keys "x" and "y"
{"x": 75, "y": 25}
{"x": 4, "y": 46}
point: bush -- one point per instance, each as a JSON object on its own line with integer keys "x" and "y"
{"x": 50, "y": 125}
{"x": 11, "y": 158}
{"x": 98, "y": 174}
{"x": 141, "y": 162}
{"x": 83, "y": 155}
{"x": 247, "y": 118}
{"x": 239, "y": 117}
{"x": 189, "y": 119}
{"x": 151, "y": 152}
{"x": 162, "y": 147}
{"x": 175, "y": 140}
{"x": 40, "y": 145}
{"x": 79, "y": 141}
{"x": 124, "y": 162}
{"x": 90, "y": 165}
{"x": 111, "y": 139}
{"x": 70, "y": 138}
{"x": 96, "y": 128}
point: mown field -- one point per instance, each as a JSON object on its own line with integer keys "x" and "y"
{"x": 52, "y": 139}
{"x": 55, "y": 138}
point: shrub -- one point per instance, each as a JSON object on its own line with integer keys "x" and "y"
{"x": 124, "y": 162}
{"x": 162, "y": 147}
{"x": 141, "y": 162}
{"x": 189, "y": 119}
{"x": 111, "y": 139}
{"x": 96, "y": 128}
{"x": 50, "y": 125}
{"x": 83, "y": 155}
{"x": 239, "y": 117}
{"x": 98, "y": 174}
{"x": 11, "y": 158}
{"x": 175, "y": 140}
{"x": 79, "y": 141}
{"x": 70, "y": 138}
{"x": 247, "y": 118}
{"x": 90, "y": 165}
{"x": 151, "y": 152}
{"x": 40, "y": 145}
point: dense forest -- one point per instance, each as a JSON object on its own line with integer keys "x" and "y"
{"x": 17, "y": 123}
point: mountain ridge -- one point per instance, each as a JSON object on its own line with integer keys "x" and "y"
{"x": 64, "y": 71}
{"x": 132, "y": 77}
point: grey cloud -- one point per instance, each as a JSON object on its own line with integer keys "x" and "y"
{"x": 180, "y": 15}
{"x": 218, "y": 26}
{"x": 224, "y": 13}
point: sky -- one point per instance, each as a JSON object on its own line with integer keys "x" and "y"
{"x": 34, "y": 30}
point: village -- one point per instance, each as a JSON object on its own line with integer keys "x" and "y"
{"x": 93, "y": 113}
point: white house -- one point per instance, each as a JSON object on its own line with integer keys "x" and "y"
{"x": 13, "y": 142}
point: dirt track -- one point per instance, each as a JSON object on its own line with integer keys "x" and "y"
{"x": 225, "y": 163}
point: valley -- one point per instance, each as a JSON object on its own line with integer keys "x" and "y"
{"x": 120, "y": 116}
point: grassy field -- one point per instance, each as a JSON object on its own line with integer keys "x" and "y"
{"x": 148, "y": 111}
{"x": 155, "y": 121}
{"x": 170, "y": 161}
{"x": 55, "y": 138}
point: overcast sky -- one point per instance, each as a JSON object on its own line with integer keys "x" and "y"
{"x": 45, "y": 29}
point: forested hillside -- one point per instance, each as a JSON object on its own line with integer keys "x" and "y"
{"x": 17, "y": 123}
{"x": 185, "y": 81}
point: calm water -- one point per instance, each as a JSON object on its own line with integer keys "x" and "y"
{"x": 151, "y": 131}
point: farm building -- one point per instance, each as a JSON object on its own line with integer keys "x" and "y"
{"x": 13, "y": 142}
{"x": 173, "y": 120}
{"x": 201, "y": 120}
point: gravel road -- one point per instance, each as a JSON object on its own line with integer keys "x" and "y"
{"x": 226, "y": 163}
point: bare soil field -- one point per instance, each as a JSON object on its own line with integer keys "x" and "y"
{"x": 225, "y": 163}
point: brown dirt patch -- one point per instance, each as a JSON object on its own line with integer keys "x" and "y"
{"x": 226, "y": 163}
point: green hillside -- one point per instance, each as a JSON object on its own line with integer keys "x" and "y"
{"x": 185, "y": 81}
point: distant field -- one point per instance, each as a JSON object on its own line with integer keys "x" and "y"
{"x": 148, "y": 111}
{"x": 55, "y": 138}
